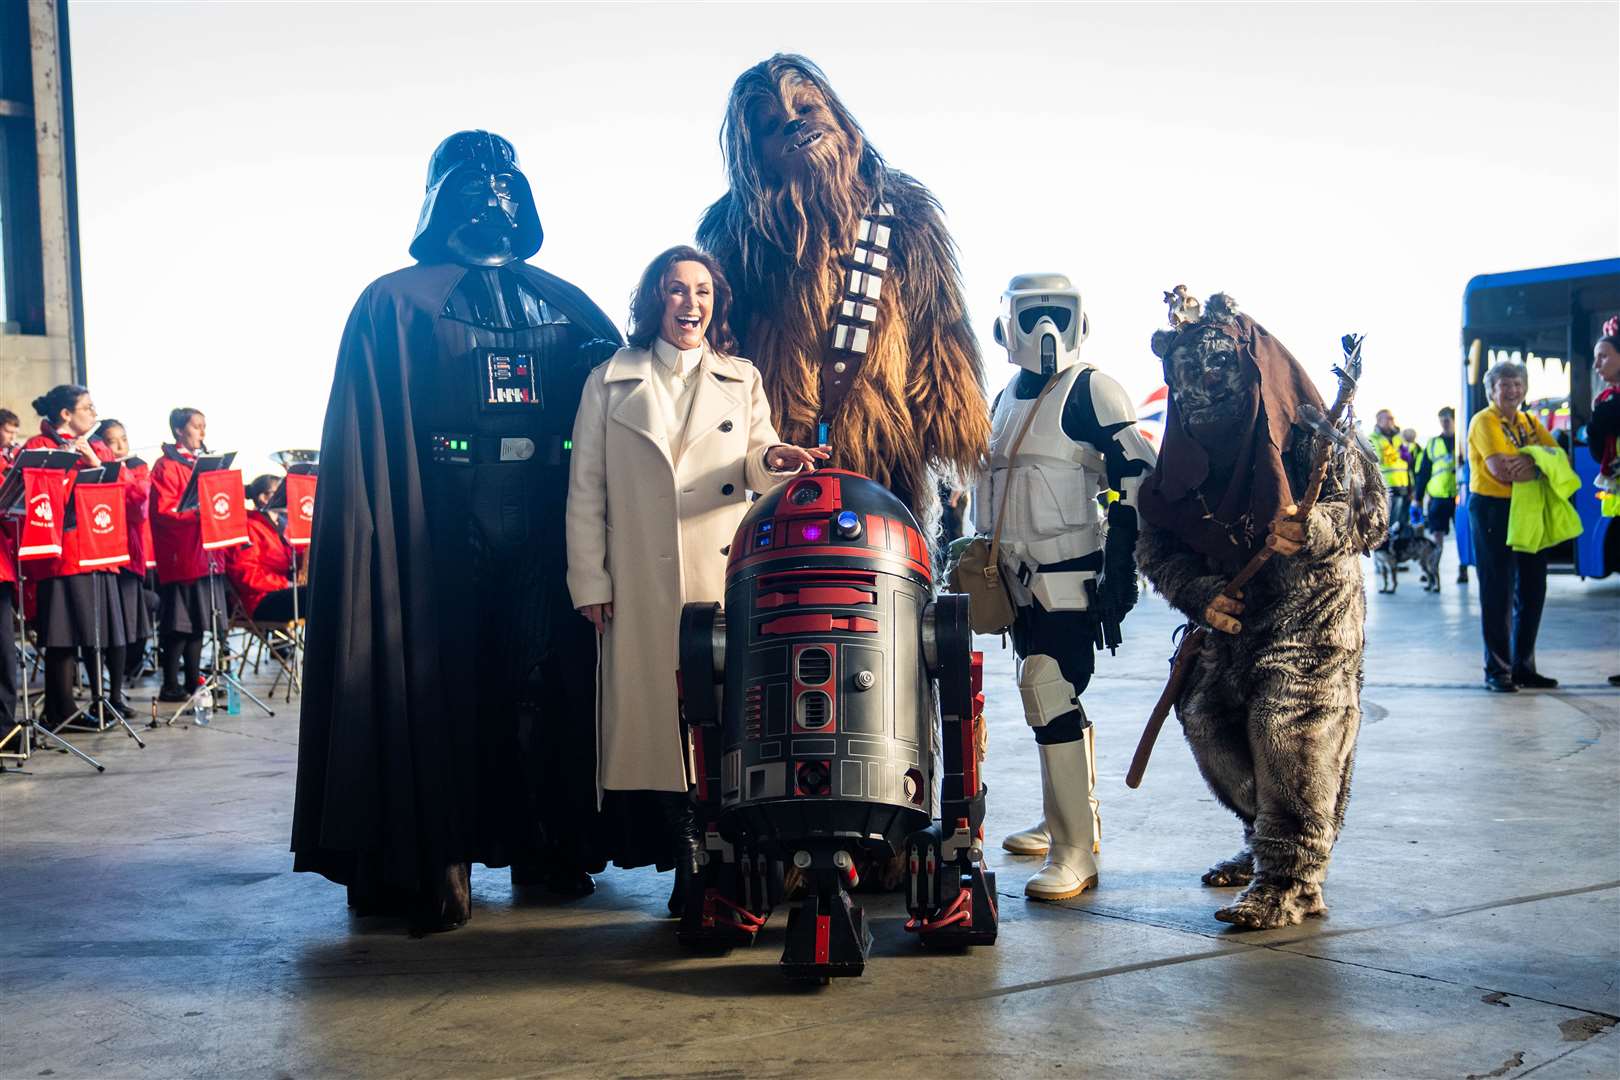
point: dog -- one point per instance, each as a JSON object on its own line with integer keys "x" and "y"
{"x": 1408, "y": 546}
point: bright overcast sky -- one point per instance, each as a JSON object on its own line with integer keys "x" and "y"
{"x": 246, "y": 169}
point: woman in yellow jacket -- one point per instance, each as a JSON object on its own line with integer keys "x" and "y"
{"x": 1512, "y": 584}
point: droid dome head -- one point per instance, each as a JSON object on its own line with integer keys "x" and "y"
{"x": 1042, "y": 323}
{"x": 478, "y": 209}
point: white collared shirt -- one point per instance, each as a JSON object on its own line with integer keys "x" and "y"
{"x": 674, "y": 382}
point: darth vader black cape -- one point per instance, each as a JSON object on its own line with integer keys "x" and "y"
{"x": 397, "y": 777}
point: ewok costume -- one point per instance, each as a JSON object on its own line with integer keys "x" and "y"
{"x": 813, "y": 216}
{"x": 1271, "y": 712}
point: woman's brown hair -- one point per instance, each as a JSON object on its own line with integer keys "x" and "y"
{"x": 647, "y": 302}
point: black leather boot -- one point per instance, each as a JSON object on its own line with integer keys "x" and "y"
{"x": 445, "y": 901}
{"x": 686, "y": 843}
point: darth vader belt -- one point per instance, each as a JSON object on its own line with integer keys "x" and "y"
{"x": 461, "y": 448}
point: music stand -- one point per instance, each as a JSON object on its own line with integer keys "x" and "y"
{"x": 278, "y": 501}
{"x": 217, "y": 672}
{"x": 96, "y": 710}
{"x": 12, "y": 505}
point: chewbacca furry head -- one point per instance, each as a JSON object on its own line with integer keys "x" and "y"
{"x": 794, "y": 155}
{"x": 802, "y": 174}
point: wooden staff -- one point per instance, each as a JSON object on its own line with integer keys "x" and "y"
{"x": 1192, "y": 642}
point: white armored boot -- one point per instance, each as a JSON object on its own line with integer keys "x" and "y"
{"x": 1036, "y": 839}
{"x": 1070, "y": 867}
{"x": 1089, "y": 735}
{"x": 1031, "y": 841}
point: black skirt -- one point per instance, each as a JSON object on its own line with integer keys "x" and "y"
{"x": 137, "y": 616}
{"x": 184, "y": 606}
{"x": 80, "y": 609}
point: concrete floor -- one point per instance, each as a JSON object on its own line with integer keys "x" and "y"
{"x": 152, "y": 926}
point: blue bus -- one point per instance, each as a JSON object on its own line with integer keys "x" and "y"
{"x": 1547, "y": 319}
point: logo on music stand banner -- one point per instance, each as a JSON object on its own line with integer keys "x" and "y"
{"x": 43, "y": 494}
{"x": 300, "y": 508}
{"x": 224, "y": 520}
{"x": 102, "y": 538}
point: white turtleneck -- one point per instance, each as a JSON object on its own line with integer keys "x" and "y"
{"x": 674, "y": 381}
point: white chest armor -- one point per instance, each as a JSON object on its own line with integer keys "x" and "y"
{"x": 1051, "y": 487}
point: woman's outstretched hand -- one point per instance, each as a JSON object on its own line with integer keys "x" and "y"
{"x": 599, "y": 615}
{"x": 785, "y": 458}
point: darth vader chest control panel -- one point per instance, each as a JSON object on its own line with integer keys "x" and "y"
{"x": 505, "y": 352}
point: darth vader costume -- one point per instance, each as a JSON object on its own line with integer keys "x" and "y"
{"x": 449, "y": 685}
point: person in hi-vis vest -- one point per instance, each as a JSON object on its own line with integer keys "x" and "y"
{"x": 1387, "y": 444}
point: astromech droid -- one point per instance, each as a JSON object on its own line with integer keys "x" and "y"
{"x": 831, "y": 704}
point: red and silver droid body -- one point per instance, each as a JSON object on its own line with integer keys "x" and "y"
{"x": 829, "y": 747}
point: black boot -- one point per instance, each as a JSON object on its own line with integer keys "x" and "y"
{"x": 555, "y": 872}
{"x": 170, "y": 648}
{"x": 686, "y": 843}
{"x": 444, "y": 902}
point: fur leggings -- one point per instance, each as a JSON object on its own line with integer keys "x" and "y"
{"x": 1277, "y": 746}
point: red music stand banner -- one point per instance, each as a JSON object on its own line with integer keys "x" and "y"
{"x": 44, "y": 497}
{"x": 300, "y": 508}
{"x": 103, "y": 530}
{"x": 220, "y": 498}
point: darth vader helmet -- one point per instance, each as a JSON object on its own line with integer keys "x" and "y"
{"x": 476, "y": 191}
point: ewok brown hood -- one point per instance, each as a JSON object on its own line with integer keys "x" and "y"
{"x": 1226, "y": 519}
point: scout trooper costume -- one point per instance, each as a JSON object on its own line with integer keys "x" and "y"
{"x": 1069, "y": 565}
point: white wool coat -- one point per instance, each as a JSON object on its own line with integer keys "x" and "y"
{"x": 649, "y": 527}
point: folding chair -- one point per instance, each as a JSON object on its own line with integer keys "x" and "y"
{"x": 278, "y": 640}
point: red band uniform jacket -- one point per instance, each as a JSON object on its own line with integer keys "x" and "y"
{"x": 261, "y": 566}
{"x": 177, "y": 536}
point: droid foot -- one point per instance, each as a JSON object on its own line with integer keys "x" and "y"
{"x": 827, "y": 936}
{"x": 1269, "y": 903}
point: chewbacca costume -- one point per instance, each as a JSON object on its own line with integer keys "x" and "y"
{"x": 914, "y": 405}
{"x": 1271, "y": 713}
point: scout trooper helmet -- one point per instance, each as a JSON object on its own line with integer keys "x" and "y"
{"x": 1042, "y": 323}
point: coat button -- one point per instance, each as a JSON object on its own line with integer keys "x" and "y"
{"x": 725, "y": 425}
{"x": 727, "y": 489}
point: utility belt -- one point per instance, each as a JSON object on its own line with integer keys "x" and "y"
{"x": 455, "y": 448}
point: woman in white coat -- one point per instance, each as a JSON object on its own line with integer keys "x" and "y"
{"x": 672, "y": 433}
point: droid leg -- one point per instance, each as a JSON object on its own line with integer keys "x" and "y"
{"x": 1052, "y": 708}
{"x": 728, "y": 892}
{"x": 949, "y": 893}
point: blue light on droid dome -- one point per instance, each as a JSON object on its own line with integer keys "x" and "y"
{"x": 848, "y": 519}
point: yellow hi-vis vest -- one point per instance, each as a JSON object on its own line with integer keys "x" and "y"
{"x": 1442, "y": 470}
{"x": 1390, "y": 462}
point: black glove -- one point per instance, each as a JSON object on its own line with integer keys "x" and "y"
{"x": 1117, "y": 586}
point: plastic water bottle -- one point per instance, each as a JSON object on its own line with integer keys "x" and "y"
{"x": 233, "y": 700}
{"x": 203, "y": 710}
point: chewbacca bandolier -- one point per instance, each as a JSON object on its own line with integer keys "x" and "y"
{"x": 1273, "y": 705}
{"x": 817, "y": 229}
